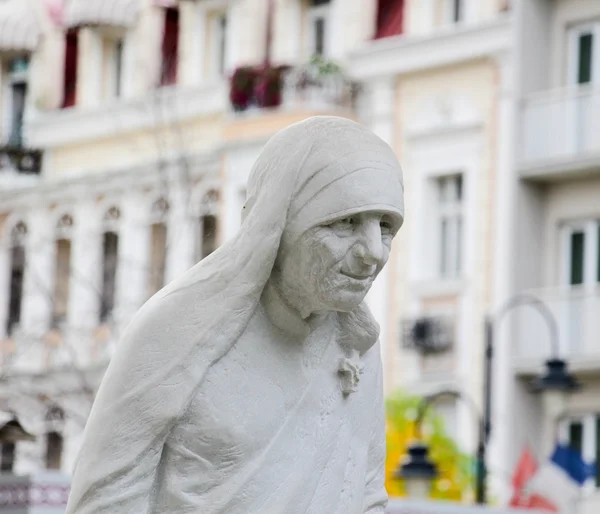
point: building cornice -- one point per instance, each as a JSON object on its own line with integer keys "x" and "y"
{"x": 59, "y": 190}
{"x": 164, "y": 107}
{"x": 401, "y": 55}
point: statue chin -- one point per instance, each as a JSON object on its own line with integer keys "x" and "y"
{"x": 346, "y": 300}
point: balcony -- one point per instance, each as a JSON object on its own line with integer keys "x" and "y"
{"x": 19, "y": 166}
{"x": 318, "y": 85}
{"x": 42, "y": 493}
{"x": 577, "y": 312}
{"x": 560, "y": 134}
{"x": 165, "y": 106}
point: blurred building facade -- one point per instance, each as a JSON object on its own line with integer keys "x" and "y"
{"x": 125, "y": 157}
{"x": 125, "y": 149}
{"x": 554, "y": 209}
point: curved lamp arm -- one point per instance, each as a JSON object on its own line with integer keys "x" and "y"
{"x": 429, "y": 400}
{"x": 529, "y": 299}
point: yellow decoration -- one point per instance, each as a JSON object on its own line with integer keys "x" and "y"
{"x": 455, "y": 479}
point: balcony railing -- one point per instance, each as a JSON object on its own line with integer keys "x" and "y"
{"x": 560, "y": 125}
{"x": 318, "y": 84}
{"x": 19, "y": 159}
{"x": 42, "y": 493}
{"x": 577, "y": 312}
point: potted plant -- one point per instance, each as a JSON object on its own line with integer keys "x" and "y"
{"x": 269, "y": 85}
{"x": 242, "y": 86}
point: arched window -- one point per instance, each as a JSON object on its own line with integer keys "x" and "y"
{"x": 55, "y": 417}
{"x": 110, "y": 254}
{"x": 17, "y": 275}
{"x": 62, "y": 274}
{"x": 158, "y": 246}
{"x": 208, "y": 226}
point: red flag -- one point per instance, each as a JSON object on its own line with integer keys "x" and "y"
{"x": 539, "y": 503}
{"x": 524, "y": 471}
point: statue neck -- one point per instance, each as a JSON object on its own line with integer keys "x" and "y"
{"x": 283, "y": 315}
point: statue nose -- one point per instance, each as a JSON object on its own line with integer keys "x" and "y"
{"x": 369, "y": 248}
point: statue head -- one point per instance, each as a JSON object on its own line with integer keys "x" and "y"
{"x": 346, "y": 208}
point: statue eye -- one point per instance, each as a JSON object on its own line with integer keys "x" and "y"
{"x": 344, "y": 223}
{"x": 386, "y": 227}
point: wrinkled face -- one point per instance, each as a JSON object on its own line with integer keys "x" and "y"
{"x": 332, "y": 266}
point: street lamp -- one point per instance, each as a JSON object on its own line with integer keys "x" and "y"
{"x": 417, "y": 471}
{"x": 418, "y": 452}
{"x": 554, "y": 384}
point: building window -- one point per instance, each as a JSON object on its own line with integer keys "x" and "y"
{"x": 318, "y": 26}
{"x": 582, "y": 434}
{"x": 17, "y": 274}
{"x": 62, "y": 272}
{"x": 218, "y": 42}
{"x": 582, "y": 252}
{"x": 158, "y": 246}
{"x": 448, "y": 12}
{"x": 450, "y": 225}
{"x": 70, "y": 69}
{"x": 7, "y": 457}
{"x": 170, "y": 47}
{"x": 390, "y": 18}
{"x": 584, "y": 55}
{"x": 61, "y": 282}
{"x": 456, "y": 10}
{"x": 112, "y": 63}
{"x": 207, "y": 225}
{"x": 16, "y": 98}
{"x": 54, "y": 450}
{"x": 110, "y": 254}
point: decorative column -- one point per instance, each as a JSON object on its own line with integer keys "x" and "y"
{"x": 39, "y": 273}
{"x": 89, "y": 68}
{"x": 192, "y": 42}
{"x": 134, "y": 256}
{"x": 181, "y": 235}
{"x": 85, "y": 278}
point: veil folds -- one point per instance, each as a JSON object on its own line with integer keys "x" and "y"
{"x": 189, "y": 325}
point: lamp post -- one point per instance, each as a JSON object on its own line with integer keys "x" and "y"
{"x": 427, "y": 402}
{"x": 417, "y": 471}
{"x": 554, "y": 384}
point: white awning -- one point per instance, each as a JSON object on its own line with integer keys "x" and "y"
{"x": 119, "y": 13}
{"x": 19, "y": 26}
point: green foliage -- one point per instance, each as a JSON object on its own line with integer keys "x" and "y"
{"x": 455, "y": 468}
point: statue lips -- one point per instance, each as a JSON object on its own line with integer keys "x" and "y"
{"x": 361, "y": 280}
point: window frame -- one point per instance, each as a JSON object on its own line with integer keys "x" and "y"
{"x": 11, "y": 79}
{"x": 218, "y": 42}
{"x": 590, "y": 424}
{"x": 17, "y": 243}
{"x": 590, "y": 227}
{"x": 322, "y": 11}
{"x": 573, "y": 34}
{"x": 449, "y": 264}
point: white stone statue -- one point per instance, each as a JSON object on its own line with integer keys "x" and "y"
{"x": 253, "y": 383}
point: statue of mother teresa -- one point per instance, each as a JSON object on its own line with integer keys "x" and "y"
{"x": 253, "y": 383}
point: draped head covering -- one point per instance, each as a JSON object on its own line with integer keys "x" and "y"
{"x": 313, "y": 171}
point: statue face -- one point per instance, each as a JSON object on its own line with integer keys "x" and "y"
{"x": 332, "y": 266}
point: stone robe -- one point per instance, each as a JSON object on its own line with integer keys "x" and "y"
{"x": 218, "y": 399}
